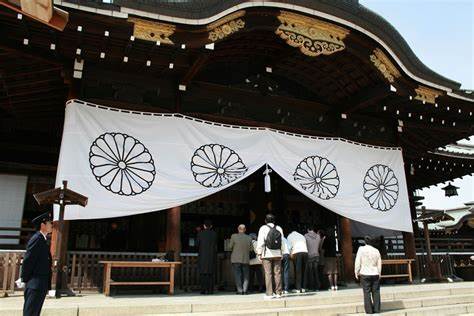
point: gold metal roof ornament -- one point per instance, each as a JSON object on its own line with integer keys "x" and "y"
{"x": 226, "y": 26}
{"x": 313, "y": 37}
{"x": 384, "y": 65}
{"x": 152, "y": 31}
{"x": 426, "y": 94}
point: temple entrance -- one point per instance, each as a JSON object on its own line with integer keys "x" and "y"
{"x": 245, "y": 202}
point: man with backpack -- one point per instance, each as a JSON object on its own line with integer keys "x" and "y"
{"x": 269, "y": 249}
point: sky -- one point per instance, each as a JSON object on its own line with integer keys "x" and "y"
{"x": 441, "y": 33}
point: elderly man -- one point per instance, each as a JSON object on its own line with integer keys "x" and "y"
{"x": 241, "y": 245}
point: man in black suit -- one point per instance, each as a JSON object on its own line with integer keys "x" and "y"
{"x": 207, "y": 260}
{"x": 36, "y": 269}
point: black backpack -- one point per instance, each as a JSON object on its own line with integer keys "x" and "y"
{"x": 273, "y": 240}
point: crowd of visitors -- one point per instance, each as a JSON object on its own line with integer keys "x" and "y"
{"x": 263, "y": 260}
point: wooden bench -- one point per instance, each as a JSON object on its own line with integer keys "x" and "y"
{"x": 406, "y": 262}
{"x": 109, "y": 265}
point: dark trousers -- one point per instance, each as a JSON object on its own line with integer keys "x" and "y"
{"x": 241, "y": 276}
{"x": 256, "y": 272}
{"x": 285, "y": 266}
{"x": 207, "y": 283}
{"x": 301, "y": 260}
{"x": 34, "y": 300}
{"x": 371, "y": 287}
{"x": 312, "y": 274}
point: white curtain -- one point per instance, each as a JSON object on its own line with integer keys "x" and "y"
{"x": 133, "y": 162}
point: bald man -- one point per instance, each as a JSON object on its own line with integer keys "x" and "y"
{"x": 241, "y": 245}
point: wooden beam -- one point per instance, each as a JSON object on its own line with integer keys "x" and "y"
{"x": 459, "y": 128}
{"x": 29, "y": 148}
{"x": 198, "y": 64}
{"x": 315, "y": 107}
{"x": 58, "y": 20}
{"x": 365, "y": 98}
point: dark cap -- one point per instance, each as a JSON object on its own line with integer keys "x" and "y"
{"x": 43, "y": 218}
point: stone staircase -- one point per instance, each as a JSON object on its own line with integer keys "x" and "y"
{"x": 421, "y": 299}
{"x": 400, "y": 301}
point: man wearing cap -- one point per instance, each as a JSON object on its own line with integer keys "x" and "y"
{"x": 36, "y": 269}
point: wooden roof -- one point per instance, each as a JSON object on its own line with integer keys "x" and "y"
{"x": 253, "y": 76}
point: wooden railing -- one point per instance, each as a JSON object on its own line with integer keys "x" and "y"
{"x": 85, "y": 272}
{"x": 447, "y": 244}
{"x": 10, "y": 263}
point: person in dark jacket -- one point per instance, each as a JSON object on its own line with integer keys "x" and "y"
{"x": 36, "y": 268}
{"x": 313, "y": 242}
{"x": 207, "y": 259}
{"x": 330, "y": 256}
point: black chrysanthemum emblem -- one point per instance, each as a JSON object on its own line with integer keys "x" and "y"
{"x": 215, "y": 165}
{"x": 121, "y": 164}
{"x": 318, "y": 176}
{"x": 381, "y": 187}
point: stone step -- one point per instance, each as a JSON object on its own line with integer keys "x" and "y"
{"x": 459, "y": 303}
{"x": 458, "y": 309}
{"x": 348, "y": 301}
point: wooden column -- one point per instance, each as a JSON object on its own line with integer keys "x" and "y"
{"x": 409, "y": 245}
{"x": 347, "y": 250}
{"x": 428, "y": 242}
{"x": 173, "y": 231}
{"x": 63, "y": 231}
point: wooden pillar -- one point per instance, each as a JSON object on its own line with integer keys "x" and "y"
{"x": 73, "y": 92}
{"x": 409, "y": 245}
{"x": 428, "y": 242}
{"x": 60, "y": 233}
{"x": 173, "y": 231}
{"x": 59, "y": 242}
{"x": 347, "y": 250}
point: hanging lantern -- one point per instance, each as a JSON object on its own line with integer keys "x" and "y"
{"x": 267, "y": 182}
{"x": 450, "y": 190}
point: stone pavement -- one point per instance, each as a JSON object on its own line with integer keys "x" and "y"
{"x": 344, "y": 301}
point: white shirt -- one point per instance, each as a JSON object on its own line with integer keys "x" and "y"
{"x": 368, "y": 261}
{"x": 44, "y": 235}
{"x": 262, "y": 235}
{"x": 297, "y": 243}
{"x": 255, "y": 260}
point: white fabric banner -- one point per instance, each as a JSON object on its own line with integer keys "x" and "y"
{"x": 135, "y": 162}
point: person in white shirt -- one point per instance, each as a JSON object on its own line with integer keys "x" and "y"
{"x": 271, "y": 258}
{"x": 299, "y": 255}
{"x": 368, "y": 267}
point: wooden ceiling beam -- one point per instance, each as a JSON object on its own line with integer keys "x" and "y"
{"x": 365, "y": 98}
{"x": 198, "y": 64}
{"x": 251, "y": 94}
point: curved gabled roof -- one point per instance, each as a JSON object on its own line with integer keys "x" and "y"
{"x": 346, "y": 12}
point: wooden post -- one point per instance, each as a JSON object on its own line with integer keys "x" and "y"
{"x": 347, "y": 250}
{"x": 409, "y": 245}
{"x": 60, "y": 250}
{"x": 428, "y": 242}
{"x": 74, "y": 87}
{"x": 173, "y": 231}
